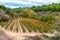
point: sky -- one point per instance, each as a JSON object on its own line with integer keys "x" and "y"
{"x": 26, "y": 3}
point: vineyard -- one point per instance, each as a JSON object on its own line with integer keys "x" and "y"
{"x": 27, "y": 25}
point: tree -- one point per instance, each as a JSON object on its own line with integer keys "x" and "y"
{"x": 2, "y": 7}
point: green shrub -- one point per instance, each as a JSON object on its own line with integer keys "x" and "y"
{"x": 46, "y": 18}
{"x": 51, "y": 38}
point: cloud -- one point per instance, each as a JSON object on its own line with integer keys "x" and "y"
{"x": 44, "y": 1}
{"x": 17, "y": 4}
{"x": 26, "y": 3}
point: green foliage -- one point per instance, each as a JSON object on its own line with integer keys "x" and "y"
{"x": 55, "y": 38}
{"x": 58, "y": 28}
{"x": 49, "y": 7}
{"x": 50, "y": 17}
{"x": 43, "y": 18}
{"x": 15, "y": 12}
{"x": 46, "y": 18}
{"x": 27, "y": 12}
{"x": 2, "y": 23}
{"x": 8, "y": 10}
{"x": 2, "y": 7}
{"x": 51, "y": 38}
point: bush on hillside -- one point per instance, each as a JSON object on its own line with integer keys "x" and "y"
{"x": 27, "y": 12}
{"x": 46, "y": 18}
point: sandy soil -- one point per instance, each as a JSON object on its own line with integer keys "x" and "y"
{"x": 22, "y": 36}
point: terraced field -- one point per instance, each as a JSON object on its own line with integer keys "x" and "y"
{"x": 26, "y": 25}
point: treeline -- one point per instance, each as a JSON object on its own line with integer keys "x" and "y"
{"x": 50, "y": 7}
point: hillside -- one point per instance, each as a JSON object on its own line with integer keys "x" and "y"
{"x": 27, "y": 22}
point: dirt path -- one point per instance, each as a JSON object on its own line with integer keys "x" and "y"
{"x": 25, "y": 28}
{"x": 10, "y": 25}
{"x": 22, "y": 36}
{"x": 6, "y": 24}
{"x": 19, "y": 27}
{"x": 14, "y": 26}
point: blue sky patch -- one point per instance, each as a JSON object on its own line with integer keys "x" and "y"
{"x": 26, "y": 3}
